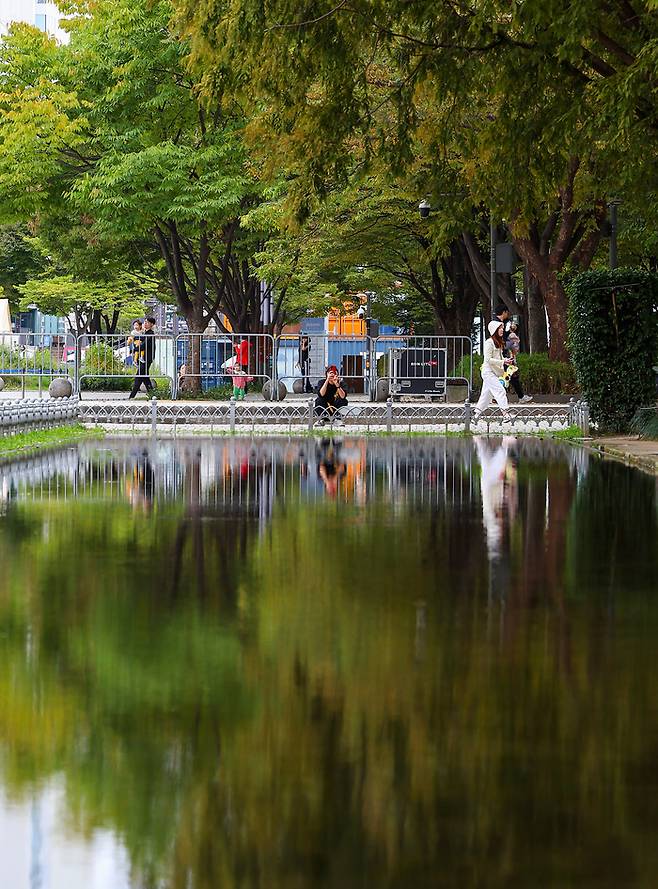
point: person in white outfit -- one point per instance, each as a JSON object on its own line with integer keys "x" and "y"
{"x": 493, "y": 365}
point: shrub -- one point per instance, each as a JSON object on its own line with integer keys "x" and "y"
{"x": 613, "y": 341}
{"x": 100, "y": 359}
{"x": 540, "y": 375}
{"x": 29, "y": 367}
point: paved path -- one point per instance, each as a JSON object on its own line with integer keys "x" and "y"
{"x": 629, "y": 448}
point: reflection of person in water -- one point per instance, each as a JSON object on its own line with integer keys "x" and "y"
{"x": 498, "y": 490}
{"x": 331, "y": 466}
{"x": 140, "y": 485}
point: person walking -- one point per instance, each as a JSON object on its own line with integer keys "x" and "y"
{"x": 493, "y": 366}
{"x": 144, "y": 355}
{"x": 503, "y": 316}
{"x": 304, "y": 361}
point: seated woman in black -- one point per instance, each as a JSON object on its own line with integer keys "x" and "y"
{"x": 331, "y": 397}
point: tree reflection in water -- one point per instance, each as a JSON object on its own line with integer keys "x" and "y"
{"x": 437, "y": 670}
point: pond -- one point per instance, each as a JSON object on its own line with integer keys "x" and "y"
{"x": 387, "y": 663}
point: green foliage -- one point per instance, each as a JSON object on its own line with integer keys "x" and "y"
{"x": 34, "y": 361}
{"x": 66, "y": 295}
{"x": 100, "y": 359}
{"x": 537, "y": 111}
{"x": 539, "y": 373}
{"x": 20, "y": 260}
{"x": 613, "y": 340}
{"x": 162, "y": 384}
{"x": 367, "y": 236}
{"x": 513, "y": 91}
{"x": 571, "y": 433}
{"x": 134, "y": 163}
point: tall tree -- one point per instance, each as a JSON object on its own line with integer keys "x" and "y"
{"x": 134, "y": 154}
{"x": 519, "y": 95}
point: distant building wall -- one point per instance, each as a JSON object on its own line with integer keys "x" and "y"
{"x": 44, "y": 16}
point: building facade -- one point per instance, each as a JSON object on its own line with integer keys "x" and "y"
{"x": 43, "y": 15}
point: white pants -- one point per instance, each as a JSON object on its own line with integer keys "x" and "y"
{"x": 491, "y": 388}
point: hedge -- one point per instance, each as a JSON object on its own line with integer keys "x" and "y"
{"x": 540, "y": 375}
{"x": 613, "y": 342}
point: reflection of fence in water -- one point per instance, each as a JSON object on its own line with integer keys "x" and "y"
{"x": 240, "y": 474}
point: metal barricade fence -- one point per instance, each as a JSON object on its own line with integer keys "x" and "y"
{"x": 110, "y": 361}
{"x": 421, "y": 365}
{"x": 300, "y": 368}
{"x": 30, "y": 359}
{"x": 216, "y": 359}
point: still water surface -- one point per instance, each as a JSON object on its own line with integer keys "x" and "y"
{"x": 378, "y": 663}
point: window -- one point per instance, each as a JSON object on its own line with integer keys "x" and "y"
{"x": 40, "y": 21}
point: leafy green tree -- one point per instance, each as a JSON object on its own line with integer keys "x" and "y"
{"x": 613, "y": 332}
{"x": 88, "y": 306}
{"x": 545, "y": 109}
{"x": 115, "y": 125}
{"x": 20, "y": 260}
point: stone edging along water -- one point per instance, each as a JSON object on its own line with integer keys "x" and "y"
{"x": 629, "y": 450}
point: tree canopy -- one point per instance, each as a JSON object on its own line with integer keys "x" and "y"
{"x": 539, "y": 110}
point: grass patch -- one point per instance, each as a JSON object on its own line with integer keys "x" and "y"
{"x": 571, "y": 433}
{"x": 45, "y": 438}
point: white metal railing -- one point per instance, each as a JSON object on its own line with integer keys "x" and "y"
{"x": 387, "y": 365}
{"x": 39, "y": 412}
{"x": 229, "y": 415}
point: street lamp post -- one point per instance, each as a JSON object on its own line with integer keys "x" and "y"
{"x": 493, "y": 284}
{"x": 613, "y": 203}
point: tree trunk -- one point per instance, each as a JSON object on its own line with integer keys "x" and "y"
{"x": 95, "y": 322}
{"x": 111, "y": 323}
{"x": 553, "y": 293}
{"x": 537, "y": 331}
{"x": 191, "y": 380}
{"x": 555, "y": 300}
